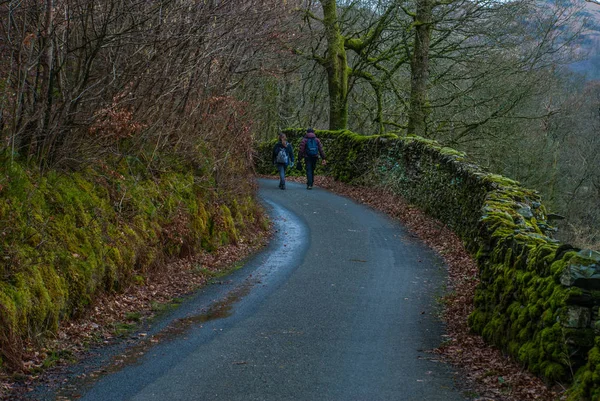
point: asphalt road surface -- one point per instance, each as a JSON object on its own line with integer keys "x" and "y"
{"x": 342, "y": 305}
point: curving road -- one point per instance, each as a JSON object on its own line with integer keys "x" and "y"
{"x": 341, "y": 306}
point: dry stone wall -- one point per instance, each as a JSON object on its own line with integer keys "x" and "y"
{"x": 538, "y": 299}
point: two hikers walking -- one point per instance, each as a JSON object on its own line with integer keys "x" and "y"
{"x": 310, "y": 150}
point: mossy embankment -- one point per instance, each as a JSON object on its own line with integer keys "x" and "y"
{"x": 538, "y": 299}
{"x": 67, "y": 237}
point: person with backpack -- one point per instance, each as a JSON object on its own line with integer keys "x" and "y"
{"x": 310, "y": 149}
{"x": 283, "y": 156}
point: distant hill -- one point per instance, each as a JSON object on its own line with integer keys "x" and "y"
{"x": 588, "y": 45}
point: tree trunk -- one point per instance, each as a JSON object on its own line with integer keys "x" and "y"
{"x": 336, "y": 64}
{"x": 44, "y": 145}
{"x": 419, "y": 69}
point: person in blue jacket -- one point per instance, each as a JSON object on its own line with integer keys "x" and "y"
{"x": 283, "y": 156}
{"x": 310, "y": 149}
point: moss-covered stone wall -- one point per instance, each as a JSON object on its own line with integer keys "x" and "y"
{"x": 66, "y": 237}
{"x": 538, "y": 299}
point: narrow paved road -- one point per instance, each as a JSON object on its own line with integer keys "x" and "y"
{"x": 341, "y": 306}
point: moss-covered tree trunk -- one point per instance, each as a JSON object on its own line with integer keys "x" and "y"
{"x": 419, "y": 69}
{"x": 336, "y": 64}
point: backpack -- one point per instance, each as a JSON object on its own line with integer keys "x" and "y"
{"x": 282, "y": 156}
{"x": 312, "y": 148}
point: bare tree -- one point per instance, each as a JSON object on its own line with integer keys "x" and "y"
{"x": 82, "y": 74}
{"x": 419, "y": 56}
{"x": 366, "y": 29}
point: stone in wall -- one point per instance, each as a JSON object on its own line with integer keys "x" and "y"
{"x": 576, "y": 317}
{"x": 584, "y": 275}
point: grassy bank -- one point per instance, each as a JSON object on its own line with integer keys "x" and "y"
{"x": 67, "y": 237}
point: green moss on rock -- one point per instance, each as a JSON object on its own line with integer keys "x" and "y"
{"x": 66, "y": 238}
